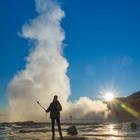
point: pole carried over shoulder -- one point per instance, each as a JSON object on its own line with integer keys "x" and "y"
{"x": 41, "y": 106}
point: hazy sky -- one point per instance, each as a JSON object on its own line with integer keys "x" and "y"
{"x": 102, "y": 44}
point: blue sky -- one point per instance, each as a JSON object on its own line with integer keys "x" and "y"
{"x": 102, "y": 44}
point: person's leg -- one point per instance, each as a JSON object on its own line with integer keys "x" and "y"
{"x": 59, "y": 127}
{"x": 53, "y": 127}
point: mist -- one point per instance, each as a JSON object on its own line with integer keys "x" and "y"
{"x": 45, "y": 73}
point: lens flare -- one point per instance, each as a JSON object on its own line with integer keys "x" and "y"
{"x": 109, "y": 96}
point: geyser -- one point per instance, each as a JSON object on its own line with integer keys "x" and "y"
{"x": 45, "y": 73}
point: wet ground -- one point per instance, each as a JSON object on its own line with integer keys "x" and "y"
{"x": 41, "y": 131}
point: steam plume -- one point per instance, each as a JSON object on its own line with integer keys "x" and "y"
{"x": 45, "y": 73}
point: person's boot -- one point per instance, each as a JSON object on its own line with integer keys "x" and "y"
{"x": 61, "y": 138}
{"x": 53, "y": 138}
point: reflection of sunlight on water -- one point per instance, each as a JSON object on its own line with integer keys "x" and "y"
{"x": 106, "y": 132}
{"x": 111, "y": 130}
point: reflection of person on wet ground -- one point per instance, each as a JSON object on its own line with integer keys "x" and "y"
{"x": 54, "y": 109}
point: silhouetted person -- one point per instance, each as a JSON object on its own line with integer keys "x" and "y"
{"x": 54, "y": 109}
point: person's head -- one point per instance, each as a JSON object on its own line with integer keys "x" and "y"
{"x": 55, "y": 98}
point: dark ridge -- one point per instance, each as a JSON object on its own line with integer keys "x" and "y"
{"x": 125, "y": 108}
{"x": 135, "y": 95}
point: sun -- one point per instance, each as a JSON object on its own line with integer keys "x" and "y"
{"x": 109, "y": 96}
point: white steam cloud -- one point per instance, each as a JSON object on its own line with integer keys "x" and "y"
{"x": 45, "y": 73}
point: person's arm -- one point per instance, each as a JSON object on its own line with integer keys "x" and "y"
{"x": 59, "y": 106}
{"x": 49, "y": 108}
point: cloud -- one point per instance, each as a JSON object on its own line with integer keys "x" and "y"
{"x": 45, "y": 73}
{"x": 86, "y": 108}
{"x": 3, "y": 114}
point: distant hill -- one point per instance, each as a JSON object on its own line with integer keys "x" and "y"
{"x": 125, "y": 109}
{"x": 134, "y": 101}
